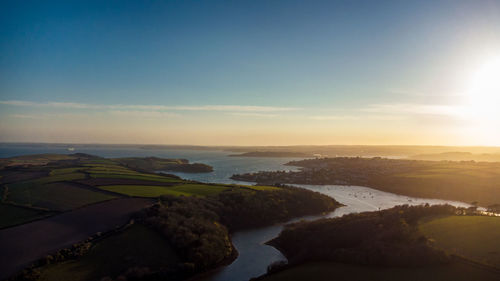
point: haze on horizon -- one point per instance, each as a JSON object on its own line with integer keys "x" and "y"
{"x": 250, "y": 73}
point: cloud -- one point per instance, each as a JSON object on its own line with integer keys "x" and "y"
{"x": 253, "y": 114}
{"x": 354, "y": 117}
{"x": 47, "y": 116}
{"x": 416, "y": 109}
{"x": 143, "y": 114}
{"x": 71, "y": 105}
{"x": 24, "y": 116}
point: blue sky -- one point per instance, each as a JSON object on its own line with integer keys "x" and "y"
{"x": 327, "y": 65}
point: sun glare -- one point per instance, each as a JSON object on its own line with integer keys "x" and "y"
{"x": 483, "y": 95}
{"x": 481, "y": 104}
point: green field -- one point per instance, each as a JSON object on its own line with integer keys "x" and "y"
{"x": 328, "y": 271}
{"x": 111, "y": 171}
{"x": 475, "y": 237}
{"x": 13, "y": 215}
{"x": 136, "y": 246}
{"x": 63, "y": 171}
{"x": 54, "y": 196}
{"x": 155, "y": 191}
{"x": 59, "y": 177}
{"x": 136, "y": 177}
{"x": 142, "y": 190}
{"x": 261, "y": 187}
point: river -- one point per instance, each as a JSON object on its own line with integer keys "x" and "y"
{"x": 254, "y": 255}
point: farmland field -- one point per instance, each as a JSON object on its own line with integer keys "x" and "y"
{"x": 327, "y": 271}
{"x": 155, "y": 191}
{"x": 26, "y": 243}
{"x": 12, "y": 215}
{"x": 136, "y": 246}
{"x": 54, "y": 196}
{"x": 63, "y": 171}
{"x": 475, "y": 237}
{"x": 142, "y": 190}
{"x": 262, "y": 187}
{"x": 59, "y": 177}
{"x": 135, "y": 177}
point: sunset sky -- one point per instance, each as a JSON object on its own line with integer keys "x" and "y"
{"x": 250, "y": 73}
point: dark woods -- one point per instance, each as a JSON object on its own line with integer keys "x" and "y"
{"x": 389, "y": 237}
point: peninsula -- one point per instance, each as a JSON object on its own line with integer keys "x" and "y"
{"x": 465, "y": 181}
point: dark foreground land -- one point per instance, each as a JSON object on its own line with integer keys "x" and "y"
{"x": 83, "y": 217}
{"x": 461, "y": 181}
{"x": 402, "y": 243}
{"x": 26, "y": 243}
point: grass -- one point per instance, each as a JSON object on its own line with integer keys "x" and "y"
{"x": 199, "y": 189}
{"x": 12, "y": 215}
{"x": 53, "y": 196}
{"x": 63, "y": 171}
{"x": 327, "y": 271}
{"x": 475, "y": 237}
{"x": 61, "y": 177}
{"x": 262, "y": 187}
{"x": 142, "y": 190}
{"x": 136, "y": 177}
{"x": 156, "y": 191}
{"x": 136, "y": 246}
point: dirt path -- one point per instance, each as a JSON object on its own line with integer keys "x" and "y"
{"x": 21, "y": 245}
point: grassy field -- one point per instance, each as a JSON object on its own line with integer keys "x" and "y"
{"x": 327, "y": 271}
{"x": 13, "y": 215}
{"x": 136, "y": 246}
{"x": 475, "y": 237}
{"x": 142, "y": 190}
{"x": 58, "y": 196}
{"x": 63, "y": 171}
{"x": 39, "y": 159}
{"x": 262, "y": 187}
{"x": 136, "y": 177}
{"x": 49, "y": 185}
{"x": 40, "y": 182}
{"x": 155, "y": 191}
{"x": 113, "y": 170}
{"x": 59, "y": 177}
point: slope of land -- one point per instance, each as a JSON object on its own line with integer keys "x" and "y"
{"x": 327, "y": 271}
{"x": 364, "y": 150}
{"x": 84, "y": 195}
{"x": 420, "y": 242}
{"x": 153, "y": 164}
{"x": 474, "y": 237}
{"x": 458, "y": 156}
{"x": 26, "y": 243}
{"x": 461, "y": 181}
{"x": 136, "y": 247}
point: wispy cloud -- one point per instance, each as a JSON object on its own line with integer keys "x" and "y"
{"x": 24, "y": 116}
{"x": 143, "y": 114}
{"x": 47, "y": 116}
{"x": 409, "y": 108}
{"x": 353, "y": 117}
{"x": 71, "y": 105}
{"x": 253, "y": 114}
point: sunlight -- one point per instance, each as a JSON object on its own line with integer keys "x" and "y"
{"x": 483, "y": 93}
{"x": 480, "y": 104}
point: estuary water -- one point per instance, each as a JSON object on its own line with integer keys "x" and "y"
{"x": 254, "y": 255}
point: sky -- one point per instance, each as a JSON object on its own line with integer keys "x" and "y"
{"x": 250, "y": 72}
